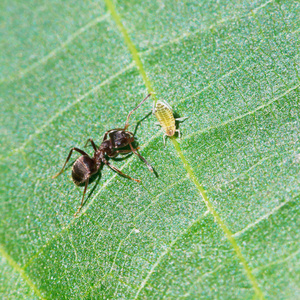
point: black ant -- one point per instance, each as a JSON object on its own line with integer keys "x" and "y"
{"x": 85, "y": 166}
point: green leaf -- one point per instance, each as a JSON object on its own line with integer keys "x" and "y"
{"x": 221, "y": 220}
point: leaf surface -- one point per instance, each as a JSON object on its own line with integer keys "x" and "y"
{"x": 221, "y": 220}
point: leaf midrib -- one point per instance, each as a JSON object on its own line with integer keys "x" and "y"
{"x": 186, "y": 164}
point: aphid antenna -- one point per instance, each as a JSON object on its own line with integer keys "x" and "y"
{"x": 181, "y": 119}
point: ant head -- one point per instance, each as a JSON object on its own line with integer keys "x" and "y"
{"x": 121, "y": 138}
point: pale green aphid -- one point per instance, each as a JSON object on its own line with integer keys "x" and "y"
{"x": 164, "y": 114}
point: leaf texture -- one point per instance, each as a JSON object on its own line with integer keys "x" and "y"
{"x": 221, "y": 220}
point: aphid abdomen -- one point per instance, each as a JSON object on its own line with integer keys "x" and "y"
{"x": 82, "y": 169}
{"x": 165, "y": 117}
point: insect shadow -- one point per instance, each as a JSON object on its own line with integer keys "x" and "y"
{"x": 177, "y": 122}
{"x": 96, "y": 177}
{"x": 140, "y": 121}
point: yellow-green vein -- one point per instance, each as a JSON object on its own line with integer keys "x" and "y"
{"x": 187, "y": 166}
{"x": 218, "y": 219}
{"x": 130, "y": 45}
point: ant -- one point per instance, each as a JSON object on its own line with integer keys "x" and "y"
{"x": 85, "y": 166}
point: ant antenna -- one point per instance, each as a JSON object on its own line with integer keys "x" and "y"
{"x": 126, "y": 123}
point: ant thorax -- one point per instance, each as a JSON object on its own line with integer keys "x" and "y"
{"x": 105, "y": 148}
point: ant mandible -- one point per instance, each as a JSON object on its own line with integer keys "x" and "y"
{"x": 85, "y": 166}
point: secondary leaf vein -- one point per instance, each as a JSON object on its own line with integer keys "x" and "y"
{"x": 21, "y": 271}
{"x": 66, "y": 108}
{"x": 56, "y": 50}
{"x": 249, "y": 113}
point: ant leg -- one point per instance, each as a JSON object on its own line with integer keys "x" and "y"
{"x": 73, "y": 149}
{"x": 123, "y": 151}
{"x": 92, "y": 142}
{"x": 127, "y": 120}
{"x": 106, "y": 133}
{"x": 118, "y": 171}
{"x": 82, "y": 200}
{"x": 105, "y": 136}
{"x": 141, "y": 157}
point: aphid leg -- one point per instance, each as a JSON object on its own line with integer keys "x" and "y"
{"x": 82, "y": 200}
{"x": 141, "y": 157}
{"x": 127, "y": 120}
{"x": 71, "y": 151}
{"x": 178, "y": 132}
{"x": 123, "y": 151}
{"x": 120, "y": 172}
{"x": 157, "y": 124}
{"x": 164, "y": 138}
{"x": 153, "y": 108}
{"x": 181, "y": 119}
{"x": 92, "y": 142}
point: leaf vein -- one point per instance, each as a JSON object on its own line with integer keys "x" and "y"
{"x": 190, "y": 34}
{"x": 277, "y": 262}
{"x": 200, "y": 278}
{"x": 99, "y": 19}
{"x": 242, "y": 116}
{"x": 188, "y": 168}
{"x": 156, "y": 198}
{"x": 21, "y": 271}
{"x": 66, "y": 108}
{"x": 53, "y": 53}
{"x": 264, "y": 217}
{"x": 166, "y": 252}
{"x": 240, "y": 175}
{"x": 220, "y": 222}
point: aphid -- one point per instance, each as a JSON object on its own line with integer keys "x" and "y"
{"x": 113, "y": 142}
{"x": 164, "y": 114}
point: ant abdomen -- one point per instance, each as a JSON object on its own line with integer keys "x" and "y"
{"x": 83, "y": 168}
